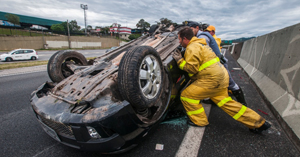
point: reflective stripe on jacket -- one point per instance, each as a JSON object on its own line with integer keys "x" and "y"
{"x": 203, "y": 65}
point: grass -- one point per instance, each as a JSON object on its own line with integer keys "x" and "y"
{"x": 26, "y": 64}
{"x": 22, "y": 64}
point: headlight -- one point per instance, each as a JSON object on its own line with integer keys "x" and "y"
{"x": 93, "y": 133}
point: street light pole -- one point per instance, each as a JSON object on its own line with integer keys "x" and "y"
{"x": 84, "y": 7}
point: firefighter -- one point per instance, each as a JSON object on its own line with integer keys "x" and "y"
{"x": 209, "y": 79}
{"x": 214, "y": 42}
{"x": 212, "y": 31}
{"x": 195, "y": 26}
{"x": 236, "y": 90}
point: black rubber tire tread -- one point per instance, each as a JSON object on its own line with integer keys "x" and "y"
{"x": 49, "y": 66}
{"x": 54, "y": 67}
{"x": 128, "y": 77}
{"x": 33, "y": 58}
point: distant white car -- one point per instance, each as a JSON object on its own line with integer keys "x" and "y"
{"x": 19, "y": 54}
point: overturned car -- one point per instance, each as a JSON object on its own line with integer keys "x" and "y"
{"x": 110, "y": 103}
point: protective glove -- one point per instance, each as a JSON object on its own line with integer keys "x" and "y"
{"x": 177, "y": 55}
{"x": 222, "y": 59}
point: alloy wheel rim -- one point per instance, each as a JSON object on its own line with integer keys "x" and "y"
{"x": 150, "y": 77}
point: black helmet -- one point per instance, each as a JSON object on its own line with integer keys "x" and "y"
{"x": 192, "y": 23}
{"x": 204, "y": 26}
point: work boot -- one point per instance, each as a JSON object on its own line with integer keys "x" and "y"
{"x": 265, "y": 126}
{"x": 239, "y": 95}
{"x": 189, "y": 122}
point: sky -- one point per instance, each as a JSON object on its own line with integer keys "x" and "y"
{"x": 232, "y": 18}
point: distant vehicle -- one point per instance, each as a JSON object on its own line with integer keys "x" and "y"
{"x": 38, "y": 27}
{"x": 112, "y": 48}
{"x": 19, "y": 54}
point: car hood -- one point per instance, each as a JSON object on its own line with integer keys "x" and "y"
{"x": 50, "y": 107}
{"x": 4, "y": 55}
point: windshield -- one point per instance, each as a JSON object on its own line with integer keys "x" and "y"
{"x": 10, "y": 52}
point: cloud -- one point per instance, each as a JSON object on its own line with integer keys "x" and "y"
{"x": 232, "y": 18}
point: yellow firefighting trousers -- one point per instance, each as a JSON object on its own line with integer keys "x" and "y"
{"x": 191, "y": 96}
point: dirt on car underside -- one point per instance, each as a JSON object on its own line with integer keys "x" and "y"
{"x": 96, "y": 86}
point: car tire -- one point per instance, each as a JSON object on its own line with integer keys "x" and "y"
{"x": 152, "y": 29}
{"x": 57, "y": 69}
{"x": 8, "y": 59}
{"x": 140, "y": 77}
{"x": 33, "y": 58}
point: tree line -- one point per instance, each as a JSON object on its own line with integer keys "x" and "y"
{"x": 141, "y": 24}
{"x": 74, "y": 28}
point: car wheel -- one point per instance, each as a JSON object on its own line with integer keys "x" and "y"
{"x": 140, "y": 77}
{"x": 8, "y": 59}
{"x": 57, "y": 68}
{"x": 33, "y": 58}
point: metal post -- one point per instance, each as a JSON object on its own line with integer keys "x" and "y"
{"x": 68, "y": 35}
{"x": 84, "y": 7}
{"x": 85, "y": 21}
{"x": 43, "y": 36}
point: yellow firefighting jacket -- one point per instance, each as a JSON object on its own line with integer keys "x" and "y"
{"x": 203, "y": 65}
{"x": 218, "y": 40}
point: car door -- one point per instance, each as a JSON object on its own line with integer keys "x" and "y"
{"x": 22, "y": 55}
{"x": 17, "y": 55}
{"x": 27, "y": 54}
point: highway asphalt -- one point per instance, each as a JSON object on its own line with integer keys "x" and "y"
{"x": 222, "y": 137}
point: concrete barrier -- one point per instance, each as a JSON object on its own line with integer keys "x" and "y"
{"x": 39, "y": 42}
{"x": 273, "y": 63}
{"x": 235, "y": 50}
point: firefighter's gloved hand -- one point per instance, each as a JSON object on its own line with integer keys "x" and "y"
{"x": 177, "y": 55}
{"x": 179, "y": 47}
{"x": 222, "y": 59}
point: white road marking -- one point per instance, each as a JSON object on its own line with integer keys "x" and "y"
{"x": 12, "y": 115}
{"x": 192, "y": 139}
{"x": 45, "y": 150}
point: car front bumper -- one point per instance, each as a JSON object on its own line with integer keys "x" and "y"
{"x": 119, "y": 127}
{"x": 106, "y": 145}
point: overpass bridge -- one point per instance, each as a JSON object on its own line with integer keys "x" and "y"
{"x": 28, "y": 21}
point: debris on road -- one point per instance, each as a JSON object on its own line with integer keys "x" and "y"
{"x": 262, "y": 112}
{"x": 159, "y": 147}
